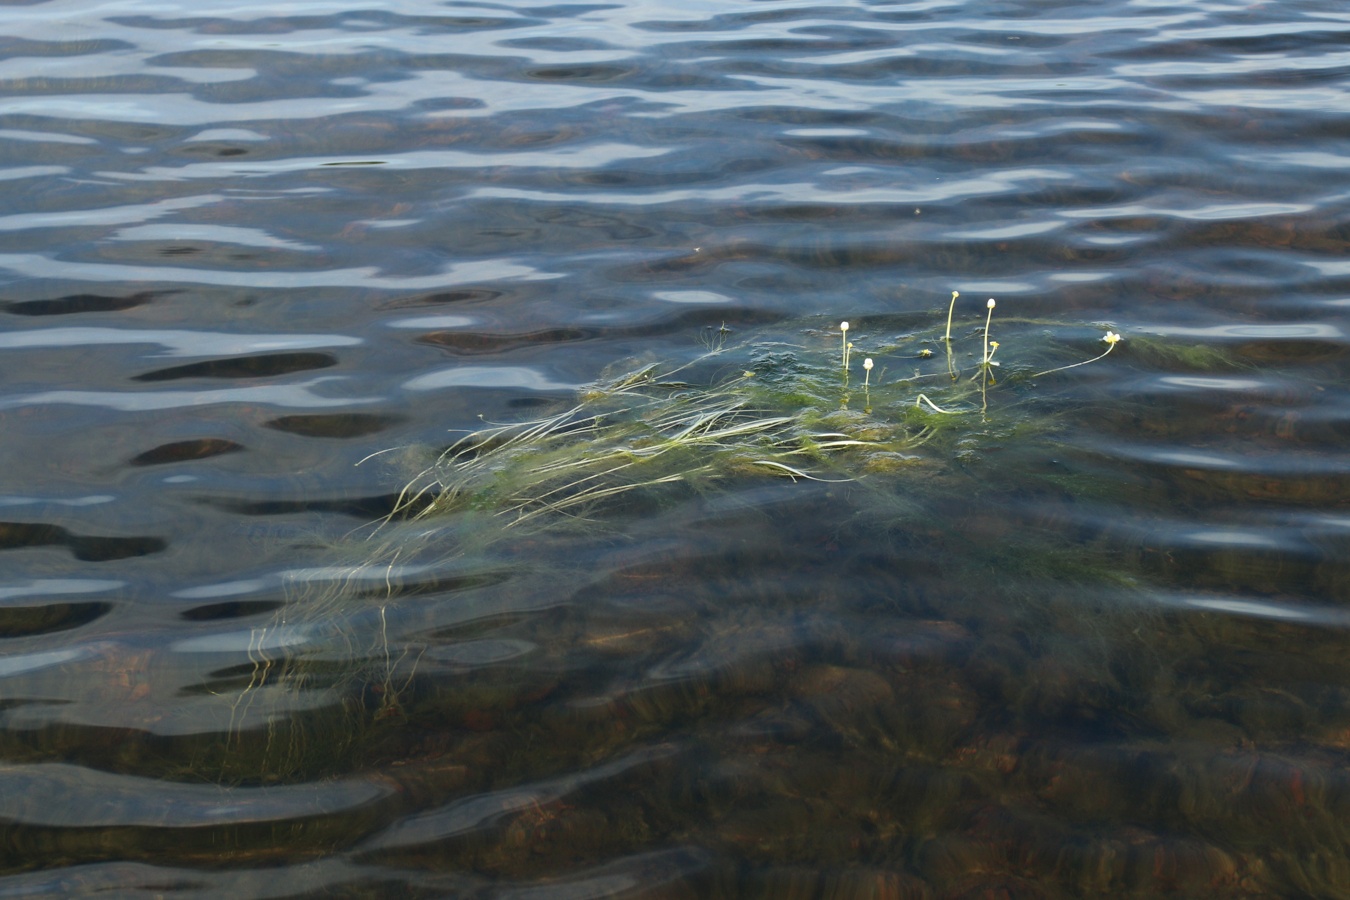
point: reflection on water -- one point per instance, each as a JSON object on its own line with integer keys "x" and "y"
{"x": 258, "y": 266}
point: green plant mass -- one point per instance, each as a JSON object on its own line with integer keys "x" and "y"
{"x": 772, "y": 406}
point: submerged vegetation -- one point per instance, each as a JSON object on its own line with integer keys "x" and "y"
{"x": 769, "y": 407}
{"x": 979, "y": 690}
{"x": 782, "y": 406}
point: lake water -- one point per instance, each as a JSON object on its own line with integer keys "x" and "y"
{"x": 1032, "y": 635}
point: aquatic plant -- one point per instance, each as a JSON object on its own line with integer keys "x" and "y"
{"x": 634, "y": 432}
{"x": 988, "y": 357}
{"x": 649, "y": 429}
{"x": 1111, "y": 340}
{"x": 950, "y": 309}
{"x": 1161, "y": 353}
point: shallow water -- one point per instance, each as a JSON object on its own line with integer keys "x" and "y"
{"x": 1088, "y": 640}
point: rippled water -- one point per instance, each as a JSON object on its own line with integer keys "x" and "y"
{"x": 1091, "y": 641}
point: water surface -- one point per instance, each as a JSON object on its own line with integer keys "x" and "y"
{"x": 1091, "y": 644}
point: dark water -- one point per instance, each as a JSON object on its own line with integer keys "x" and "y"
{"x": 1092, "y": 641}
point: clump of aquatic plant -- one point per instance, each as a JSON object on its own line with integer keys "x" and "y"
{"x": 651, "y": 432}
{"x": 649, "y": 429}
{"x": 628, "y": 434}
